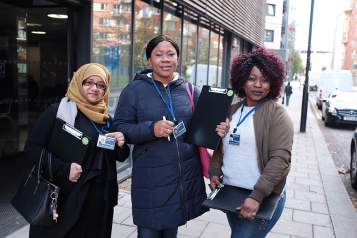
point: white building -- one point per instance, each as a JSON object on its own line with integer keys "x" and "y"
{"x": 275, "y": 27}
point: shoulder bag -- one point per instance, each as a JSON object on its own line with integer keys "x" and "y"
{"x": 36, "y": 198}
{"x": 205, "y": 154}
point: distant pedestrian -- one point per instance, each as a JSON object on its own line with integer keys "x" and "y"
{"x": 259, "y": 156}
{"x": 288, "y": 92}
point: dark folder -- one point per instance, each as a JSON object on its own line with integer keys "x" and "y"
{"x": 230, "y": 197}
{"x": 212, "y": 109}
{"x": 68, "y": 144}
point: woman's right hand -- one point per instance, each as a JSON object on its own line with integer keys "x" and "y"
{"x": 215, "y": 182}
{"x": 163, "y": 128}
{"x": 75, "y": 173}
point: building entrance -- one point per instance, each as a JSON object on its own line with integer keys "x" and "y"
{"x": 33, "y": 75}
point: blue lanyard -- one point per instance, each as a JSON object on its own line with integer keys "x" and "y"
{"x": 171, "y": 109}
{"x": 102, "y": 132}
{"x": 241, "y": 112}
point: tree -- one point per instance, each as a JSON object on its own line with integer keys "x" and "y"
{"x": 297, "y": 63}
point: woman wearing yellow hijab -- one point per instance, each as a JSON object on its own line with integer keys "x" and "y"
{"x": 87, "y": 210}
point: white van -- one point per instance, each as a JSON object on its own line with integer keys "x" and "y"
{"x": 333, "y": 80}
{"x": 202, "y": 75}
{"x": 314, "y": 78}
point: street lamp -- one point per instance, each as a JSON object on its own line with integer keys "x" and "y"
{"x": 306, "y": 85}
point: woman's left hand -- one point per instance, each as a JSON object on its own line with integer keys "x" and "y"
{"x": 248, "y": 209}
{"x": 223, "y": 128}
{"x": 120, "y": 140}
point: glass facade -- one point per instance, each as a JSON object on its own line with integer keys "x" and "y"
{"x": 33, "y": 69}
{"x": 200, "y": 41}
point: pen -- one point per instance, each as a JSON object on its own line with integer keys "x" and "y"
{"x": 168, "y": 138}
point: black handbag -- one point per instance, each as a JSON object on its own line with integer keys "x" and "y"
{"x": 36, "y": 198}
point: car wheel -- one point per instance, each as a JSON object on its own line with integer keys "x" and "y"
{"x": 354, "y": 169}
{"x": 327, "y": 124}
{"x": 322, "y": 117}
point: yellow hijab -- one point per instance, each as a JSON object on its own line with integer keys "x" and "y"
{"x": 97, "y": 111}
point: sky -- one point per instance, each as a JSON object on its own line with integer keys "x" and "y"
{"x": 324, "y": 23}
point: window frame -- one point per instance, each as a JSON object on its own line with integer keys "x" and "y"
{"x": 267, "y": 12}
{"x": 272, "y": 35}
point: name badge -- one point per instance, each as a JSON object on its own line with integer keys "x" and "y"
{"x": 179, "y": 129}
{"x": 106, "y": 142}
{"x": 234, "y": 139}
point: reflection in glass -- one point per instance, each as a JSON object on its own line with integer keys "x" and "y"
{"x": 188, "y": 51}
{"x": 203, "y": 46}
{"x": 147, "y": 26}
{"x": 172, "y": 22}
{"x": 220, "y": 59}
{"x": 112, "y": 43}
{"x": 213, "y": 57}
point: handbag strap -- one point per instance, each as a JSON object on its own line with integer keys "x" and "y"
{"x": 50, "y": 166}
{"x": 191, "y": 96}
{"x": 39, "y": 171}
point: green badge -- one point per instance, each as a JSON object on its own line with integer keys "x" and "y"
{"x": 85, "y": 141}
{"x": 230, "y": 93}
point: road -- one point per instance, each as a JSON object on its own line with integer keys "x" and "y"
{"x": 338, "y": 139}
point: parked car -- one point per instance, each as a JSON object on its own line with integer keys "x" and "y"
{"x": 353, "y": 172}
{"x": 340, "y": 108}
{"x": 333, "y": 80}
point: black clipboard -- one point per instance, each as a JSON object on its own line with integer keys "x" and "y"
{"x": 212, "y": 108}
{"x": 69, "y": 144}
{"x": 230, "y": 197}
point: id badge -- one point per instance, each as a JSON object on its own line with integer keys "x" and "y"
{"x": 106, "y": 142}
{"x": 179, "y": 129}
{"x": 234, "y": 139}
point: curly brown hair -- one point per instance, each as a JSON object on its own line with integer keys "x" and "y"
{"x": 269, "y": 64}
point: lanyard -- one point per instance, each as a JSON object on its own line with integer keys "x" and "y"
{"x": 171, "y": 109}
{"x": 241, "y": 112}
{"x": 102, "y": 132}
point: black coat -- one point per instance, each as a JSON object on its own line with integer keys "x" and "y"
{"x": 167, "y": 182}
{"x": 88, "y": 208}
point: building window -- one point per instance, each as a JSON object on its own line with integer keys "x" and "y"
{"x": 104, "y": 6}
{"x": 104, "y": 22}
{"x": 354, "y": 42}
{"x": 271, "y": 10}
{"x": 354, "y": 54}
{"x": 269, "y": 36}
{"x": 346, "y": 16}
{"x": 344, "y": 38}
{"x": 119, "y": 22}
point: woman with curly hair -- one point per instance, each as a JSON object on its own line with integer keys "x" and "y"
{"x": 259, "y": 156}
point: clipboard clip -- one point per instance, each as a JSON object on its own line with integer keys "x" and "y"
{"x": 213, "y": 194}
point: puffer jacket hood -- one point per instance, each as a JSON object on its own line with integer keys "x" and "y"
{"x": 167, "y": 181}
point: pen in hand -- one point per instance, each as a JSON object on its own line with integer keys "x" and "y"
{"x": 164, "y": 118}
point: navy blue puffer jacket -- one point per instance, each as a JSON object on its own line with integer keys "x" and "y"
{"x": 167, "y": 182}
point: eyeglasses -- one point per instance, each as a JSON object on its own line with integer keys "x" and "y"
{"x": 98, "y": 85}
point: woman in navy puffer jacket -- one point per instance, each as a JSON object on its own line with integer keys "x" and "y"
{"x": 167, "y": 181}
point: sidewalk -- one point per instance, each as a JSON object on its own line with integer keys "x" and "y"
{"x": 317, "y": 204}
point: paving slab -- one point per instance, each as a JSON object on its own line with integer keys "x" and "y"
{"x": 312, "y": 218}
{"x": 309, "y": 196}
{"x": 121, "y": 231}
{"x": 293, "y": 228}
{"x": 298, "y": 204}
{"x": 193, "y": 228}
{"x": 323, "y": 232}
{"x": 214, "y": 230}
{"x": 319, "y": 208}
{"x": 315, "y": 182}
